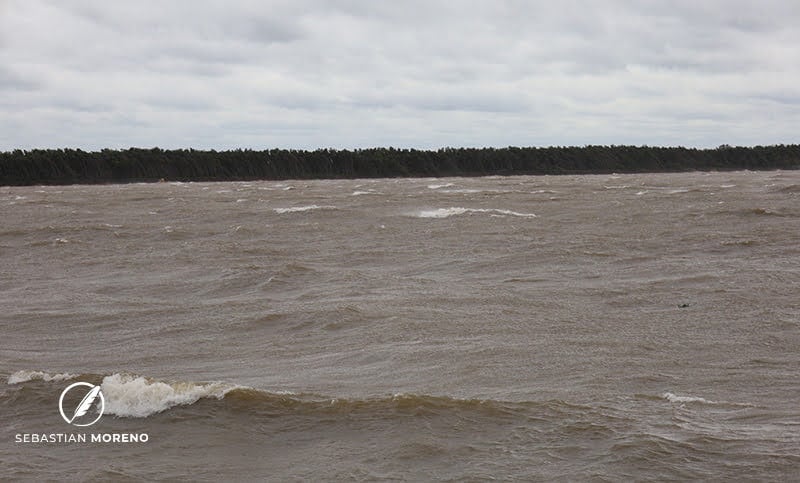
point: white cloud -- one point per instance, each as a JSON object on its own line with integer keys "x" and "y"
{"x": 310, "y": 74}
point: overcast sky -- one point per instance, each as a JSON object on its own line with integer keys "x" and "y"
{"x": 423, "y": 74}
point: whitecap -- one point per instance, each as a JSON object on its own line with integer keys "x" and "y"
{"x": 437, "y": 186}
{"x": 685, "y": 399}
{"x": 462, "y": 191}
{"x": 138, "y": 397}
{"x": 297, "y": 209}
{"x": 674, "y": 398}
{"x": 452, "y": 211}
{"x": 25, "y": 376}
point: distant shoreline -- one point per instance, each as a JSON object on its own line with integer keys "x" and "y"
{"x": 74, "y": 166}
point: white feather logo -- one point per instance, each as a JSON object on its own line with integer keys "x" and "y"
{"x": 87, "y": 402}
{"x": 85, "y": 405}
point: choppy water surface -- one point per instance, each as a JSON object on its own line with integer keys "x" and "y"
{"x": 576, "y": 327}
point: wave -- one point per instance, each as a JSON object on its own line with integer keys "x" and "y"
{"x": 792, "y": 188}
{"x": 25, "y": 376}
{"x": 757, "y": 212}
{"x": 674, "y": 398}
{"x": 297, "y": 209}
{"x": 437, "y": 186}
{"x": 136, "y": 396}
{"x": 685, "y": 399}
{"x": 466, "y": 191}
{"x": 452, "y": 211}
{"x": 762, "y": 212}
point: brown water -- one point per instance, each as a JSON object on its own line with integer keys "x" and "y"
{"x": 533, "y": 328}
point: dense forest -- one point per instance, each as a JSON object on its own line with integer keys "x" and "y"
{"x": 67, "y": 166}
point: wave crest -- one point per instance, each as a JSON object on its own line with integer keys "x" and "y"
{"x": 135, "y": 396}
{"x": 685, "y": 399}
{"x": 457, "y": 210}
{"x": 25, "y": 376}
{"x": 299, "y": 209}
{"x": 138, "y": 397}
{"x": 674, "y": 398}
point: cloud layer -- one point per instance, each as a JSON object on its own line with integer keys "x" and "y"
{"x": 425, "y": 74}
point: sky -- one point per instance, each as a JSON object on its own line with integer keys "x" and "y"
{"x": 308, "y": 74}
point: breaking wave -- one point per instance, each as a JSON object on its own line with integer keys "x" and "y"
{"x": 298, "y": 209}
{"x": 673, "y": 398}
{"x": 452, "y": 211}
{"x": 135, "y": 396}
{"x": 25, "y": 376}
{"x": 138, "y": 397}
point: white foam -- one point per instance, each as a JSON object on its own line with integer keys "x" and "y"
{"x": 138, "y": 397}
{"x": 24, "y": 376}
{"x": 297, "y": 209}
{"x": 437, "y": 186}
{"x": 369, "y": 192}
{"x": 685, "y": 399}
{"x": 463, "y": 191}
{"x": 447, "y": 212}
{"x": 441, "y": 212}
{"x": 694, "y": 399}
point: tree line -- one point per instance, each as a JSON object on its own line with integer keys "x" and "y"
{"x": 68, "y": 166}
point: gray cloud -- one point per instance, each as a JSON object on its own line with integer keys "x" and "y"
{"x": 312, "y": 73}
{"x": 13, "y": 81}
